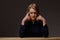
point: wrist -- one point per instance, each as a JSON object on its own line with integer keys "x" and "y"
{"x": 22, "y": 22}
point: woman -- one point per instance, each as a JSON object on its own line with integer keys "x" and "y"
{"x": 33, "y": 24}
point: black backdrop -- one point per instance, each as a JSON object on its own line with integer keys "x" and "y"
{"x": 12, "y": 12}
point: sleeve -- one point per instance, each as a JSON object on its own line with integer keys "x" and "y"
{"x": 45, "y": 31}
{"x": 22, "y": 29}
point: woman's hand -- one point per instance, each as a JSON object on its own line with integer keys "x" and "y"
{"x": 42, "y": 19}
{"x": 27, "y": 17}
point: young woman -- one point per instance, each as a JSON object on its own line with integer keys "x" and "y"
{"x": 33, "y": 24}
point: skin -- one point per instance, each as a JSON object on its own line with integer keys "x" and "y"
{"x": 32, "y": 15}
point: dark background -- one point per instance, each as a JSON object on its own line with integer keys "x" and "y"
{"x": 12, "y": 12}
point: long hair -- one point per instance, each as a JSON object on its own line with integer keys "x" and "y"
{"x": 34, "y": 6}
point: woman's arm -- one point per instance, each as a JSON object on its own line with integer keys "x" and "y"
{"x": 45, "y": 32}
{"x": 42, "y": 19}
{"x": 27, "y": 17}
{"x": 23, "y": 28}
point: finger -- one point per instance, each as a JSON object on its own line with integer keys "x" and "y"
{"x": 27, "y": 13}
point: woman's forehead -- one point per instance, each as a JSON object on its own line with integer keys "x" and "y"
{"x": 32, "y": 10}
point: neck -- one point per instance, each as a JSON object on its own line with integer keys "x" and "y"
{"x": 33, "y": 21}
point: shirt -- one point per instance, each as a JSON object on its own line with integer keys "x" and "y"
{"x": 35, "y": 29}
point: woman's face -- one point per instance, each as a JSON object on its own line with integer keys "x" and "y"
{"x": 32, "y": 13}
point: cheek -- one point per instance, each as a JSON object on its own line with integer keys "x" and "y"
{"x": 35, "y": 15}
{"x": 31, "y": 15}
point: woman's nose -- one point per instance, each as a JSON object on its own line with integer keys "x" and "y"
{"x": 33, "y": 14}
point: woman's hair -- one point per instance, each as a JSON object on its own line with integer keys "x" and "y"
{"x": 34, "y": 6}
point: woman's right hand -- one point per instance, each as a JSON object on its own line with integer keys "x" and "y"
{"x": 27, "y": 17}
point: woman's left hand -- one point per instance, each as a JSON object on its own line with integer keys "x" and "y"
{"x": 42, "y": 19}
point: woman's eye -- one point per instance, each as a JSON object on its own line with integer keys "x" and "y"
{"x": 35, "y": 13}
{"x": 31, "y": 13}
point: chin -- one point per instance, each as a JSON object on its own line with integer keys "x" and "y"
{"x": 33, "y": 19}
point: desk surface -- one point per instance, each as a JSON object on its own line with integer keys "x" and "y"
{"x": 33, "y": 38}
